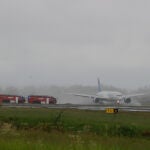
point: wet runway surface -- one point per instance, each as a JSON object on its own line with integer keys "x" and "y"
{"x": 80, "y": 106}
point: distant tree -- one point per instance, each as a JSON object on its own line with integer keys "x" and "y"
{"x": 1, "y": 90}
{"x": 29, "y": 90}
{"x": 11, "y": 90}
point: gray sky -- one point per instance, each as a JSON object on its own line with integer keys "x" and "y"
{"x": 65, "y": 42}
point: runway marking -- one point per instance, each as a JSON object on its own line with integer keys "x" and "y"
{"x": 80, "y": 106}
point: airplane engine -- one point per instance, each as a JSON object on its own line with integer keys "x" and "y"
{"x": 96, "y": 100}
{"x": 127, "y": 100}
{"x": 99, "y": 100}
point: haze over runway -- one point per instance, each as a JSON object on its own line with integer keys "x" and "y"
{"x": 55, "y": 42}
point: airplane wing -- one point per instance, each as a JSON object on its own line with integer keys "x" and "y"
{"x": 135, "y": 95}
{"x": 84, "y": 95}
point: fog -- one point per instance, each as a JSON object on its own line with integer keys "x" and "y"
{"x": 65, "y": 43}
{"x": 63, "y": 93}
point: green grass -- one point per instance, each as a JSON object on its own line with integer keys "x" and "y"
{"x": 37, "y": 140}
{"x": 71, "y": 129}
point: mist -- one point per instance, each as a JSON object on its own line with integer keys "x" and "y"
{"x": 65, "y": 43}
{"x": 64, "y": 96}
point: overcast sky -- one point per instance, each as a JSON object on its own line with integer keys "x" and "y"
{"x": 66, "y": 42}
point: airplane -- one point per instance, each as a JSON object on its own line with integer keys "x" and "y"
{"x": 103, "y": 97}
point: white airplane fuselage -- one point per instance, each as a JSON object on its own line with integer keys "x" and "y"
{"x": 110, "y": 96}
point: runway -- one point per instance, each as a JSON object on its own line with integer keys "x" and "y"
{"x": 79, "y": 106}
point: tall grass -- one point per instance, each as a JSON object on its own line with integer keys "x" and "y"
{"x": 37, "y": 140}
{"x": 71, "y": 129}
{"x": 130, "y": 124}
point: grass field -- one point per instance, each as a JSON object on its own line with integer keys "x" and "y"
{"x": 71, "y": 129}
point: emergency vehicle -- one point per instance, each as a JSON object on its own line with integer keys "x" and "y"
{"x": 11, "y": 99}
{"x": 41, "y": 99}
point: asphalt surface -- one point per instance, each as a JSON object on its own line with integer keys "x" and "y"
{"x": 80, "y": 106}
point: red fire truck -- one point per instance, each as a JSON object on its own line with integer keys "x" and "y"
{"x": 41, "y": 99}
{"x": 11, "y": 99}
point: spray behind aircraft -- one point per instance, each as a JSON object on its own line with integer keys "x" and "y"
{"x": 109, "y": 96}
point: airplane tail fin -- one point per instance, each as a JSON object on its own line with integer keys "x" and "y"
{"x": 99, "y": 85}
